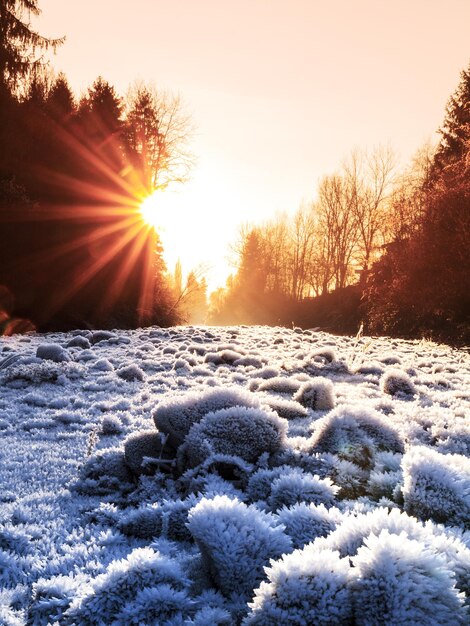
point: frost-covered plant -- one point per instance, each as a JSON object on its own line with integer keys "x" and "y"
{"x": 108, "y": 594}
{"x": 79, "y": 342}
{"x": 288, "y": 409}
{"x": 131, "y": 372}
{"x": 10, "y": 616}
{"x": 175, "y": 416}
{"x": 162, "y": 604}
{"x": 167, "y": 519}
{"x": 50, "y": 599}
{"x": 399, "y": 581}
{"x": 354, "y": 434}
{"x": 144, "y": 522}
{"x": 111, "y": 425}
{"x": 305, "y": 522}
{"x": 147, "y": 450}
{"x": 304, "y": 589}
{"x": 384, "y": 484}
{"x": 260, "y": 482}
{"x": 317, "y": 394}
{"x": 280, "y": 385}
{"x": 298, "y": 486}
{"x": 348, "y": 476}
{"x": 396, "y": 382}
{"x": 215, "y": 616}
{"x": 53, "y": 352}
{"x": 232, "y": 469}
{"x": 35, "y": 373}
{"x": 237, "y": 431}
{"x": 104, "y": 472}
{"x": 102, "y": 335}
{"x": 236, "y": 542}
{"x": 437, "y": 486}
{"x": 267, "y": 372}
{"x": 103, "y": 365}
{"x": 328, "y": 354}
{"x": 350, "y": 535}
{"x": 249, "y": 360}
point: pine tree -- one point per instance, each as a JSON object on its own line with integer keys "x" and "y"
{"x": 60, "y": 100}
{"x": 455, "y": 130}
{"x": 19, "y": 44}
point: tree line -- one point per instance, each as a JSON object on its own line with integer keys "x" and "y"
{"x": 74, "y": 249}
{"x": 382, "y": 247}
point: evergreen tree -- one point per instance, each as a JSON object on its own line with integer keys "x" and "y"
{"x": 60, "y": 99}
{"x": 102, "y": 109}
{"x": 455, "y": 130}
{"x": 19, "y": 43}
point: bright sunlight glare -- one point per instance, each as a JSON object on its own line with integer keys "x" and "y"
{"x": 198, "y": 221}
{"x": 150, "y": 208}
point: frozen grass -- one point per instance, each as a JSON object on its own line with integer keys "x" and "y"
{"x": 151, "y": 476}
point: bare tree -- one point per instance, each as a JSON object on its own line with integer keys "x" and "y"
{"x": 157, "y": 135}
{"x": 302, "y": 238}
{"x": 409, "y": 197}
{"x": 338, "y": 229}
{"x": 369, "y": 179}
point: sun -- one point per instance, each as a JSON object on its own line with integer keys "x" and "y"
{"x": 151, "y": 210}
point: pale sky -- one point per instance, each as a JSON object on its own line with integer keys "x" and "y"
{"x": 279, "y": 91}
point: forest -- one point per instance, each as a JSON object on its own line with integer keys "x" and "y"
{"x": 380, "y": 246}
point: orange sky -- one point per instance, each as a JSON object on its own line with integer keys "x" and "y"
{"x": 280, "y": 91}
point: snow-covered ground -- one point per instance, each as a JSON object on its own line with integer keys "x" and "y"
{"x": 296, "y": 478}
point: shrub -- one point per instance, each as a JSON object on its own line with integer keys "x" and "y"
{"x": 288, "y": 409}
{"x": 316, "y": 394}
{"x": 102, "y": 335}
{"x": 162, "y": 604}
{"x": 304, "y": 589}
{"x": 79, "y": 342}
{"x": 175, "y": 416}
{"x": 349, "y": 477}
{"x": 396, "y": 382}
{"x": 236, "y": 542}
{"x": 232, "y": 469}
{"x": 399, "y": 581}
{"x": 102, "y": 365}
{"x": 350, "y": 535}
{"x": 52, "y": 352}
{"x": 328, "y": 354}
{"x": 305, "y": 522}
{"x": 103, "y": 473}
{"x": 110, "y": 593}
{"x": 237, "y": 431}
{"x": 35, "y": 373}
{"x": 50, "y": 599}
{"x": 144, "y": 522}
{"x": 111, "y": 425}
{"x": 215, "y": 616}
{"x": 384, "y": 484}
{"x": 130, "y": 373}
{"x": 354, "y": 434}
{"x": 259, "y": 483}
{"x": 437, "y": 486}
{"x": 298, "y": 486}
{"x": 146, "y": 450}
{"x": 280, "y": 385}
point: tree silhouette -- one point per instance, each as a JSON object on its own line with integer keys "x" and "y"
{"x": 156, "y": 136}
{"x": 19, "y": 44}
{"x": 455, "y": 130}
